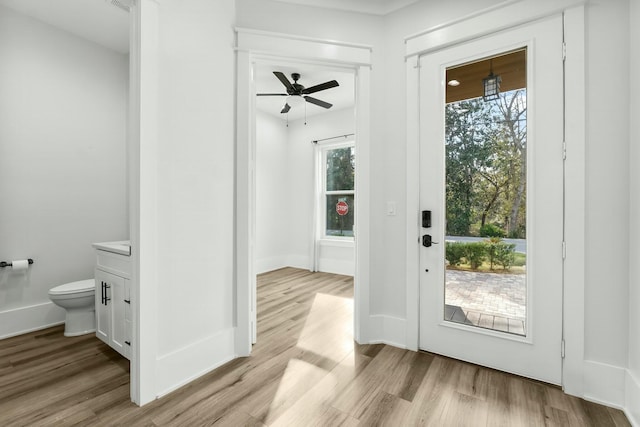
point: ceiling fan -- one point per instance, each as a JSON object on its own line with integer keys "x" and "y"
{"x": 296, "y": 92}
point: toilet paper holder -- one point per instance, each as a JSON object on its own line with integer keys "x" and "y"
{"x": 4, "y": 264}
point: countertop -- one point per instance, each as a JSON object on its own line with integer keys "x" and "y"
{"x": 122, "y": 247}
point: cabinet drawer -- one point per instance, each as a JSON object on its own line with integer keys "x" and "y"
{"x": 114, "y": 263}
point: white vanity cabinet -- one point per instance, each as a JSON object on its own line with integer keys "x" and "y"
{"x": 113, "y": 298}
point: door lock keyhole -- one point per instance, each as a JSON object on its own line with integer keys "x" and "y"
{"x": 427, "y": 241}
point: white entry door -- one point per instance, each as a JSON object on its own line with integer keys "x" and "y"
{"x": 491, "y": 175}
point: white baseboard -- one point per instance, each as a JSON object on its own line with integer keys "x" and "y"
{"x": 264, "y": 265}
{"x": 298, "y": 261}
{"x": 182, "y": 366}
{"x": 387, "y": 330}
{"x": 326, "y": 265}
{"x": 632, "y": 406}
{"x": 604, "y": 384}
{"x": 336, "y": 266}
{"x": 22, "y": 320}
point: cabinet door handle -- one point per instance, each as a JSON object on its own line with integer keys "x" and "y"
{"x": 127, "y": 343}
{"x": 106, "y": 297}
{"x": 102, "y": 290}
{"x": 128, "y": 301}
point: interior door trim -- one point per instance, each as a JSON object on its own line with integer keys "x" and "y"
{"x": 503, "y": 16}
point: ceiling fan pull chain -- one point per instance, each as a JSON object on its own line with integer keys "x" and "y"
{"x": 305, "y": 113}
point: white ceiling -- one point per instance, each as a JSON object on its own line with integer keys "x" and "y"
{"x": 341, "y": 97}
{"x": 101, "y": 22}
{"x": 95, "y": 20}
{"x": 375, "y": 7}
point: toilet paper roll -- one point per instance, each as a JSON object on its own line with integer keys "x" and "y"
{"x": 20, "y": 264}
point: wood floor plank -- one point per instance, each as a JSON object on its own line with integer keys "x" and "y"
{"x": 465, "y": 410}
{"x": 313, "y": 405}
{"x": 386, "y": 410}
{"x": 57, "y": 395}
{"x": 619, "y": 419}
{"x": 305, "y": 370}
{"x": 556, "y": 417}
{"x": 408, "y": 375}
{"x": 359, "y": 395}
{"x": 597, "y": 414}
{"x": 72, "y": 415}
{"x": 430, "y": 404}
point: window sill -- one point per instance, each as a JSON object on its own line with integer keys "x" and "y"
{"x": 340, "y": 243}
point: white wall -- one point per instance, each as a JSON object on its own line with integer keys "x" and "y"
{"x": 607, "y": 198}
{"x": 190, "y": 188}
{"x": 633, "y": 375}
{"x": 274, "y": 209}
{"x": 62, "y": 162}
{"x": 280, "y": 17}
{"x": 285, "y": 183}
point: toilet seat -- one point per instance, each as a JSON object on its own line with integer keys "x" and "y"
{"x": 73, "y": 287}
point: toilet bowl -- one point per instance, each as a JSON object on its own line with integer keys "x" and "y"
{"x": 77, "y": 298}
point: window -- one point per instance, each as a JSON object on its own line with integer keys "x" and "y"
{"x": 338, "y": 190}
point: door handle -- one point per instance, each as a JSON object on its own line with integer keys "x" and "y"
{"x": 427, "y": 241}
{"x": 102, "y": 291}
{"x": 106, "y": 298}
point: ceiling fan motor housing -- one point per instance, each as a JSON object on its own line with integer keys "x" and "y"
{"x": 296, "y": 88}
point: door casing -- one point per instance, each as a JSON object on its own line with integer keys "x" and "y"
{"x": 252, "y": 46}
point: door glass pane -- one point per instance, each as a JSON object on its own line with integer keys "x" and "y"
{"x": 486, "y": 193}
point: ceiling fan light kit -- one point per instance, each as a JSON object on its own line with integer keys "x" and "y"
{"x": 297, "y": 94}
{"x": 295, "y": 101}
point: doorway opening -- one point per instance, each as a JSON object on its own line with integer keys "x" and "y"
{"x": 300, "y": 230}
{"x": 486, "y": 193}
{"x": 259, "y": 48}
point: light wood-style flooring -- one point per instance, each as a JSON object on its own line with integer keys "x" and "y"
{"x": 305, "y": 370}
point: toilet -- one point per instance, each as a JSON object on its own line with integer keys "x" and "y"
{"x": 77, "y": 298}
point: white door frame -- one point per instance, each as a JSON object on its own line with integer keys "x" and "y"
{"x": 142, "y": 175}
{"x": 509, "y": 14}
{"x": 255, "y": 45}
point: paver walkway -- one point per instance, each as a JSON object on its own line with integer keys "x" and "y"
{"x": 488, "y": 300}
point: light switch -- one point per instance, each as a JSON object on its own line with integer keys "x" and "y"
{"x": 391, "y": 208}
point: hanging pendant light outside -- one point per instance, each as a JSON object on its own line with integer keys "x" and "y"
{"x": 491, "y": 85}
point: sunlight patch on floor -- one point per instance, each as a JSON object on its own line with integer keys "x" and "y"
{"x": 298, "y": 378}
{"x": 327, "y": 342}
{"x": 328, "y": 330}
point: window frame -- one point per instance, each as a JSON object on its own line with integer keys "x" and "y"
{"x": 322, "y": 192}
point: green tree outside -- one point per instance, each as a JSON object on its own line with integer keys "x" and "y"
{"x": 486, "y": 155}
